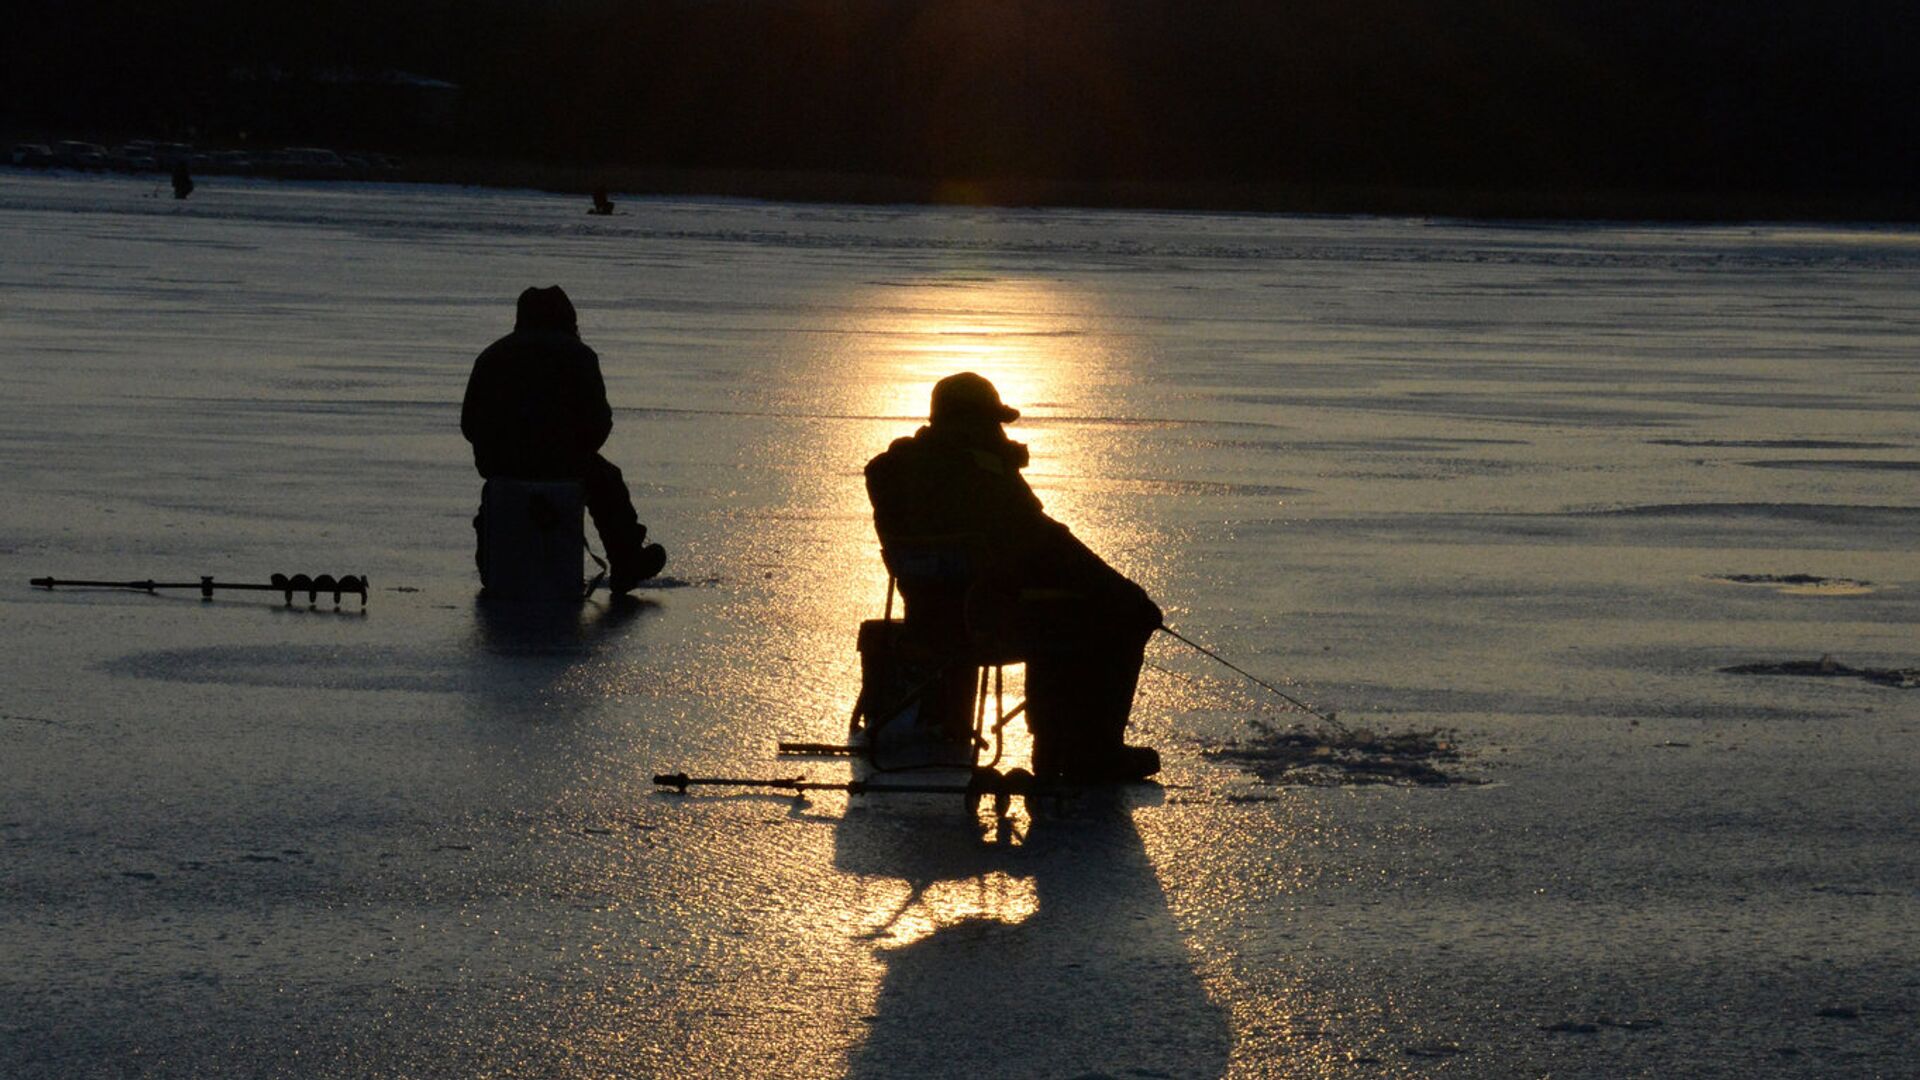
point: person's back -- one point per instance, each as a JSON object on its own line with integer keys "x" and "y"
{"x": 536, "y": 409}
{"x": 948, "y": 480}
{"x": 536, "y": 406}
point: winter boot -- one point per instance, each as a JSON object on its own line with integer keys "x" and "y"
{"x": 1057, "y": 759}
{"x": 631, "y": 559}
{"x": 625, "y": 575}
{"x": 1122, "y": 765}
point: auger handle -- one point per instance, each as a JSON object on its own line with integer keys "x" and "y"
{"x": 349, "y": 584}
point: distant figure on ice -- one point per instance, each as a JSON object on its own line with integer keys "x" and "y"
{"x": 601, "y": 204}
{"x": 1028, "y": 586}
{"x": 182, "y": 181}
{"x": 536, "y": 409}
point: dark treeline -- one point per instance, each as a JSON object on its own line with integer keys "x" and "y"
{"x": 1798, "y": 95}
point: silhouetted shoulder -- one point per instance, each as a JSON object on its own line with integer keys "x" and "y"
{"x": 898, "y": 451}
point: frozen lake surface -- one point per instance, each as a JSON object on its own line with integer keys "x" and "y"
{"x": 1535, "y": 485}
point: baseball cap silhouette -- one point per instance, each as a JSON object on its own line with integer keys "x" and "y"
{"x": 968, "y": 395}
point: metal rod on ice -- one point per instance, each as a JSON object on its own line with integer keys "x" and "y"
{"x": 347, "y": 584}
{"x": 983, "y": 783}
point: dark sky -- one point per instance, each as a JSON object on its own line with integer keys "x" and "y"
{"x": 1542, "y": 93}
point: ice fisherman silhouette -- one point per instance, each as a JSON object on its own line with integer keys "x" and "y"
{"x": 536, "y": 409}
{"x": 1019, "y": 583}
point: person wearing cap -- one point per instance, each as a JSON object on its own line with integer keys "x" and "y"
{"x": 1029, "y": 589}
{"x": 536, "y": 409}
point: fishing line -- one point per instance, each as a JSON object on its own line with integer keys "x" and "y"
{"x": 1212, "y": 689}
{"x": 1176, "y": 635}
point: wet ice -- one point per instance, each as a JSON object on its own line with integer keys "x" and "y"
{"x": 1442, "y": 476}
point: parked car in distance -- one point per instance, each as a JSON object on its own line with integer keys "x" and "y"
{"x": 230, "y": 161}
{"x": 151, "y": 156}
{"x": 135, "y": 156}
{"x": 74, "y": 154}
{"x": 308, "y": 163}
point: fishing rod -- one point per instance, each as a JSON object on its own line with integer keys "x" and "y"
{"x": 982, "y": 783}
{"x": 344, "y": 585}
{"x": 1328, "y": 717}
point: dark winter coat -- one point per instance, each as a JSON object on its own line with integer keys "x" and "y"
{"x": 536, "y": 406}
{"x": 959, "y": 487}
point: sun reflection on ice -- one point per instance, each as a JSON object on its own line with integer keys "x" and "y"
{"x": 1044, "y": 347}
{"x": 903, "y": 914}
{"x": 1040, "y": 344}
{"x": 1034, "y": 339}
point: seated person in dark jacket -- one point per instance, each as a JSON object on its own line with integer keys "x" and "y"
{"x": 536, "y": 409}
{"x": 1031, "y": 590}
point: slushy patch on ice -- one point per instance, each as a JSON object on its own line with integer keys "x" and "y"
{"x": 1864, "y": 465}
{"x": 1812, "y": 513}
{"x": 1572, "y": 1027}
{"x": 1828, "y": 668}
{"x": 1778, "y": 444}
{"x": 1799, "y": 584}
{"x": 1332, "y": 756}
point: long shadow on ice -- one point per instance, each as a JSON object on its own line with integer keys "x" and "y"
{"x": 521, "y": 648}
{"x": 1052, "y": 954}
{"x": 507, "y": 628}
{"x": 524, "y": 650}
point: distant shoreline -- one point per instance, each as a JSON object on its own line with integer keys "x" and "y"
{"x": 1208, "y": 196}
{"x": 1597, "y": 204}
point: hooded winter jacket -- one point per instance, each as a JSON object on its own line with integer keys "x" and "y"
{"x": 536, "y": 406}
